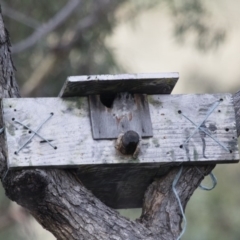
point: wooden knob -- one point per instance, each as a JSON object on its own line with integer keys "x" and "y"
{"x": 130, "y": 140}
{"x": 128, "y": 143}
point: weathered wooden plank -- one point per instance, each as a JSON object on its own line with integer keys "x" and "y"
{"x": 148, "y": 83}
{"x": 120, "y": 186}
{"x": 128, "y": 112}
{"x": 69, "y": 129}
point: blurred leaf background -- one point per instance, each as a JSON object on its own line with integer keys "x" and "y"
{"x": 197, "y": 38}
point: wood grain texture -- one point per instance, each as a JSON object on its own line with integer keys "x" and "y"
{"x": 70, "y": 130}
{"x": 128, "y": 112}
{"x": 159, "y": 203}
{"x": 56, "y": 198}
{"x": 120, "y": 186}
{"x": 62, "y": 205}
{"x": 236, "y": 101}
{"x": 148, "y": 83}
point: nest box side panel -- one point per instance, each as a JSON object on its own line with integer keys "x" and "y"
{"x": 183, "y": 131}
{"x": 203, "y": 124}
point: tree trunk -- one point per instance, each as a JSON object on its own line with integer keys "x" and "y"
{"x": 62, "y": 205}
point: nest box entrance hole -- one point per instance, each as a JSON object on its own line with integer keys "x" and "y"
{"x": 108, "y": 99}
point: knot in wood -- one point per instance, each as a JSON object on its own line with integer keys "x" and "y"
{"x": 27, "y": 188}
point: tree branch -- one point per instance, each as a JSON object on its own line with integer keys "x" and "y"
{"x": 69, "y": 39}
{"x": 160, "y": 208}
{"x": 48, "y": 27}
{"x": 94, "y": 18}
{"x": 8, "y": 85}
{"x": 63, "y": 206}
{"x": 18, "y": 16}
{"x": 161, "y": 212}
{"x": 38, "y": 76}
{"x": 58, "y": 200}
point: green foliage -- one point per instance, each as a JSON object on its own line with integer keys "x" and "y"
{"x": 89, "y": 52}
{"x": 6, "y": 233}
{"x": 214, "y": 214}
{"x": 193, "y": 18}
{"x": 209, "y": 212}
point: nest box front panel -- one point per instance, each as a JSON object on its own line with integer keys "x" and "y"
{"x": 57, "y": 132}
{"x": 127, "y": 112}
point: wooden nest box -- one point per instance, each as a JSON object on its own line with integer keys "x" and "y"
{"x": 120, "y": 131}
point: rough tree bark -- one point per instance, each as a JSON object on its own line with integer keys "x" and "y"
{"x": 62, "y": 205}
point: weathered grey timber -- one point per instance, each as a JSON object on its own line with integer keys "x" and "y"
{"x": 128, "y": 112}
{"x": 121, "y": 87}
{"x": 236, "y": 102}
{"x": 69, "y": 130}
{"x": 62, "y": 205}
{"x": 148, "y": 83}
{"x": 117, "y": 180}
